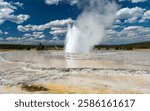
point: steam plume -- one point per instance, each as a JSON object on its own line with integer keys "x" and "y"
{"x": 89, "y": 28}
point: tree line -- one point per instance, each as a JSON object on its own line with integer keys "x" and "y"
{"x": 141, "y": 45}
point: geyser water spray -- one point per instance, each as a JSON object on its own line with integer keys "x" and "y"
{"x": 89, "y": 28}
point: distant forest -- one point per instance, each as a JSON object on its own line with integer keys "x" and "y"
{"x": 141, "y": 45}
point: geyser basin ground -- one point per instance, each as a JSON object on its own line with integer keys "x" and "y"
{"x": 58, "y": 72}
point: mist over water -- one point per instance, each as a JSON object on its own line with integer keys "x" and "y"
{"x": 89, "y": 28}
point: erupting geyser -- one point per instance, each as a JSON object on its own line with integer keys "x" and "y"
{"x": 89, "y": 28}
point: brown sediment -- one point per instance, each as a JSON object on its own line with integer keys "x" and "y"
{"x": 33, "y": 88}
{"x": 103, "y": 89}
{"x": 65, "y": 89}
{"x": 85, "y": 84}
{"x": 92, "y": 84}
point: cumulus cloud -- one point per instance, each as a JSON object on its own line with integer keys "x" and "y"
{"x": 128, "y": 35}
{"x": 134, "y": 1}
{"x": 146, "y": 16}
{"x": 51, "y": 2}
{"x": 55, "y": 41}
{"x": 34, "y": 38}
{"x": 56, "y": 23}
{"x": 61, "y": 22}
{"x": 5, "y": 33}
{"x": 30, "y": 27}
{"x": 18, "y": 4}
{"x": 35, "y": 35}
{"x": 137, "y": 1}
{"x": 58, "y": 31}
{"x": 55, "y": 38}
{"x": 12, "y": 39}
{"x": 57, "y": 27}
{"x": 27, "y": 39}
{"x": 132, "y": 15}
{"x": 21, "y": 40}
{"x": 7, "y": 10}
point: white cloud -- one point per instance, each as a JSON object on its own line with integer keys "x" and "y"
{"x": 21, "y": 18}
{"x": 117, "y": 22}
{"x": 56, "y": 23}
{"x": 30, "y": 27}
{"x": 5, "y": 33}
{"x": 31, "y": 40}
{"x": 35, "y": 35}
{"x": 58, "y": 32}
{"x": 18, "y": 4}
{"x": 128, "y": 35}
{"x": 64, "y": 22}
{"x": 134, "y": 1}
{"x": 56, "y": 41}
{"x": 12, "y": 39}
{"x": 21, "y": 40}
{"x": 146, "y": 16}
{"x": 57, "y": 27}
{"x": 121, "y": 0}
{"x": 132, "y": 15}
{"x": 137, "y": 1}
{"x": 52, "y": 2}
{"x": 55, "y": 38}
{"x": 7, "y": 10}
{"x": 130, "y": 12}
{"x": 55, "y": 31}
{"x": 38, "y": 34}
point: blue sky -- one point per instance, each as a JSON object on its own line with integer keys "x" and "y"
{"x": 46, "y": 21}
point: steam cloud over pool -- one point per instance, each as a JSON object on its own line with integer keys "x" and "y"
{"x": 89, "y": 28}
